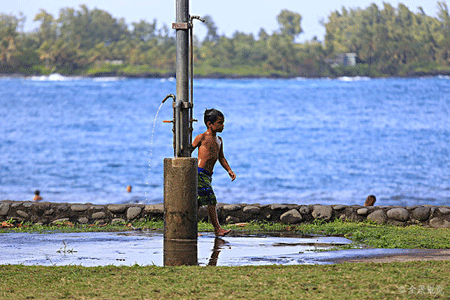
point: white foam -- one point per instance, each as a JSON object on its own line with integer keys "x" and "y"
{"x": 356, "y": 78}
{"x": 51, "y": 77}
{"x": 107, "y": 79}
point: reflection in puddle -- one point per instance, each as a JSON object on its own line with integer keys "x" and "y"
{"x": 149, "y": 248}
{"x": 180, "y": 252}
{"x": 219, "y": 243}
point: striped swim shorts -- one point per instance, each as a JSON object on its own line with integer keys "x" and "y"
{"x": 205, "y": 192}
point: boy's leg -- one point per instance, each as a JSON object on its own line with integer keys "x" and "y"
{"x": 212, "y": 213}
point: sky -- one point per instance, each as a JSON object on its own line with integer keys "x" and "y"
{"x": 247, "y": 16}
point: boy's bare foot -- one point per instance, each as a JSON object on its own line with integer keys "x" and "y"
{"x": 222, "y": 232}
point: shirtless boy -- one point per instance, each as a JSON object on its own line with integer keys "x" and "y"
{"x": 210, "y": 150}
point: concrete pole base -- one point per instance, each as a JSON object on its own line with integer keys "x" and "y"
{"x": 180, "y": 198}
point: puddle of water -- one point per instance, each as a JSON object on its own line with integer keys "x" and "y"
{"x": 147, "y": 248}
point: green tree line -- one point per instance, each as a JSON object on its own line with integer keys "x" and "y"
{"x": 387, "y": 41}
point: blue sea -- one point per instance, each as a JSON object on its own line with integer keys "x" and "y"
{"x": 300, "y": 141}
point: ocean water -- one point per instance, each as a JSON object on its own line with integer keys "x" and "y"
{"x": 302, "y": 141}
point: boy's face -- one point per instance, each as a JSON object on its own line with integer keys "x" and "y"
{"x": 218, "y": 125}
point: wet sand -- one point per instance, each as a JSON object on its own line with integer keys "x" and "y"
{"x": 411, "y": 255}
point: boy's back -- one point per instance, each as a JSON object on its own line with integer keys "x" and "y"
{"x": 209, "y": 148}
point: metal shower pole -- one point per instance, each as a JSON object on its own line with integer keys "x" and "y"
{"x": 182, "y": 74}
{"x": 180, "y": 172}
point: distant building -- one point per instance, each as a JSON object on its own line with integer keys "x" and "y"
{"x": 343, "y": 59}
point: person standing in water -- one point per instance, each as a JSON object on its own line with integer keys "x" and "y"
{"x": 370, "y": 201}
{"x": 210, "y": 150}
{"x": 37, "y": 196}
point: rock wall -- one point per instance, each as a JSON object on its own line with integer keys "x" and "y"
{"x": 49, "y": 212}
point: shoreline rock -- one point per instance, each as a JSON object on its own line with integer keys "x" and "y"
{"x": 87, "y": 213}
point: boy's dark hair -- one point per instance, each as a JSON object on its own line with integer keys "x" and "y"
{"x": 212, "y": 115}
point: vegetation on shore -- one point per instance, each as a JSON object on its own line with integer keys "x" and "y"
{"x": 387, "y": 41}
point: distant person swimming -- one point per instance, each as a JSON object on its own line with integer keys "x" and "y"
{"x": 370, "y": 201}
{"x": 133, "y": 199}
{"x": 37, "y": 197}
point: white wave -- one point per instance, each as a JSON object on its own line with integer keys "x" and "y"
{"x": 107, "y": 79}
{"x": 170, "y": 79}
{"x": 356, "y": 78}
{"x": 51, "y": 77}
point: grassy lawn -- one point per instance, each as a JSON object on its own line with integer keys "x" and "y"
{"x": 408, "y": 280}
{"x": 412, "y": 280}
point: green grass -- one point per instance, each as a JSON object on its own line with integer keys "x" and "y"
{"x": 412, "y": 280}
{"x": 70, "y": 227}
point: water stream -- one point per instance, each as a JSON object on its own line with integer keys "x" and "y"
{"x": 150, "y": 155}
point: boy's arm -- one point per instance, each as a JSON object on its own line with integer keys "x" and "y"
{"x": 196, "y": 143}
{"x": 224, "y": 163}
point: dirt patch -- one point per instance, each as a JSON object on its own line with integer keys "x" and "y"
{"x": 412, "y": 255}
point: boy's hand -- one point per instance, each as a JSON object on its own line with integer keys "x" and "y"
{"x": 232, "y": 175}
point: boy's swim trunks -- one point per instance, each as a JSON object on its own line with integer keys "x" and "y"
{"x": 205, "y": 192}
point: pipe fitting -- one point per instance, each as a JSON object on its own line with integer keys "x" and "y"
{"x": 170, "y": 96}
